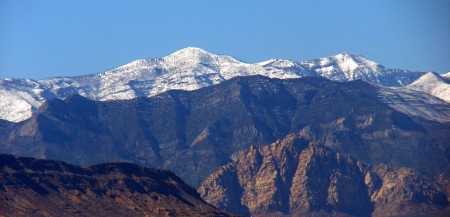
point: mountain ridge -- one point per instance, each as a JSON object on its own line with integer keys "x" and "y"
{"x": 194, "y": 132}
{"x": 187, "y": 69}
{"x": 34, "y": 187}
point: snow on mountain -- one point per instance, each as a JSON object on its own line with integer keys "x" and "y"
{"x": 415, "y": 103}
{"x": 433, "y": 84}
{"x": 345, "y": 67}
{"x": 446, "y": 75}
{"x": 348, "y": 67}
{"x": 19, "y": 97}
{"x": 186, "y": 69}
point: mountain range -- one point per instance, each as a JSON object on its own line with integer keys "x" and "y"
{"x": 186, "y": 69}
{"x": 335, "y": 136}
{"x": 193, "y": 133}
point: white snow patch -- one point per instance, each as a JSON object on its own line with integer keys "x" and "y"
{"x": 415, "y": 103}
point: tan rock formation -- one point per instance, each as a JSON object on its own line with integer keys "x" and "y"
{"x": 297, "y": 177}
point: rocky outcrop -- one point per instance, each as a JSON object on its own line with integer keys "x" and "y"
{"x": 31, "y": 187}
{"x": 403, "y": 191}
{"x": 297, "y": 177}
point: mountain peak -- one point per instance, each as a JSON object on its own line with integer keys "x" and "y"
{"x": 429, "y": 77}
{"x": 345, "y": 67}
{"x": 344, "y": 61}
{"x": 348, "y": 54}
{"x": 192, "y": 57}
{"x": 276, "y": 61}
{"x": 353, "y": 61}
{"x": 433, "y": 84}
{"x": 190, "y": 52}
{"x": 446, "y": 75}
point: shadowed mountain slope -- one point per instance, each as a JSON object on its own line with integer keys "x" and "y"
{"x": 31, "y": 187}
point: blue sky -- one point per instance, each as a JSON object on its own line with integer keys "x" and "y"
{"x": 40, "y": 39}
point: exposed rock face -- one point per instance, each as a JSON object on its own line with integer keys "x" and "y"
{"x": 30, "y": 187}
{"x": 403, "y": 191}
{"x": 297, "y": 177}
{"x": 195, "y": 133}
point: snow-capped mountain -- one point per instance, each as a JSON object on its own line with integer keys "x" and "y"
{"x": 446, "y": 75}
{"x": 186, "y": 69}
{"x": 345, "y": 66}
{"x": 433, "y": 84}
{"x": 348, "y": 67}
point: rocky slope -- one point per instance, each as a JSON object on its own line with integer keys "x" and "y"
{"x": 186, "y": 69}
{"x": 31, "y": 187}
{"x": 194, "y": 133}
{"x": 297, "y": 177}
{"x": 433, "y": 84}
